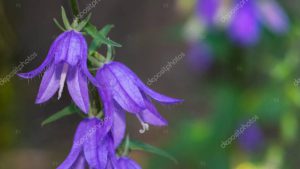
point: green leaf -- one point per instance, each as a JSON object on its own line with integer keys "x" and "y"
{"x": 137, "y": 145}
{"x": 58, "y": 25}
{"x": 84, "y": 22}
{"x": 71, "y": 109}
{"x": 65, "y": 19}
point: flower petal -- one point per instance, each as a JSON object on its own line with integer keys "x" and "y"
{"x": 69, "y": 50}
{"x": 78, "y": 88}
{"x": 80, "y": 163}
{"x": 75, "y": 154}
{"x": 112, "y": 162}
{"x": 131, "y": 102}
{"x": 63, "y": 48}
{"x": 83, "y": 62}
{"x": 119, "y": 125}
{"x": 96, "y": 132}
{"x": 273, "y": 16}
{"x": 47, "y": 61}
{"x": 126, "y": 84}
{"x": 127, "y": 163}
{"x": 157, "y": 96}
{"x": 75, "y": 48}
{"x": 244, "y": 26}
{"x": 207, "y": 10}
{"x": 151, "y": 115}
{"x": 50, "y": 83}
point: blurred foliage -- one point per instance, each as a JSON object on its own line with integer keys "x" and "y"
{"x": 245, "y": 81}
{"x": 7, "y": 42}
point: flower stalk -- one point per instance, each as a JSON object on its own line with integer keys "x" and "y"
{"x": 75, "y": 7}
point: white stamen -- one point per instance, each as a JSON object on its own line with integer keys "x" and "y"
{"x": 62, "y": 80}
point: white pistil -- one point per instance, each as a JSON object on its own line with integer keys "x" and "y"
{"x": 144, "y": 125}
{"x": 62, "y": 80}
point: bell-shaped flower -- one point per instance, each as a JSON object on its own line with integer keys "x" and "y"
{"x": 207, "y": 10}
{"x": 273, "y": 16}
{"x": 244, "y": 26}
{"x": 200, "y": 57}
{"x": 66, "y": 61}
{"x": 88, "y": 148}
{"x": 130, "y": 94}
{"x": 247, "y": 20}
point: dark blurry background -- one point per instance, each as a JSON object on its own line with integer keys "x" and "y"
{"x": 231, "y": 84}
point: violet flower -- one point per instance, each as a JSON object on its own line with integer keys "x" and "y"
{"x": 244, "y": 27}
{"x": 200, "y": 57}
{"x": 132, "y": 95}
{"x": 246, "y": 22}
{"x": 88, "y": 147}
{"x": 207, "y": 10}
{"x": 273, "y": 16}
{"x": 252, "y": 139}
{"x": 127, "y": 163}
{"x": 66, "y": 61}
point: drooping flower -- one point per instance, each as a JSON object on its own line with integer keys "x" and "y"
{"x": 252, "y": 139}
{"x": 199, "y": 57}
{"x": 90, "y": 146}
{"x": 66, "y": 61}
{"x": 127, "y": 163}
{"x": 246, "y": 22}
{"x": 244, "y": 27}
{"x": 132, "y": 95}
{"x": 273, "y": 16}
{"x": 207, "y": 10}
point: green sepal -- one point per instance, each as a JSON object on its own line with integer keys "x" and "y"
{"x": 137, "y": 145}
{"x": 69, "y": 110}
{"x": 100, "y": 37}
{"x": 65, "y": 19}
{"x": 58, "y": 25}
{"x": 83, "y": 23}
{"x": 96, "y": 44}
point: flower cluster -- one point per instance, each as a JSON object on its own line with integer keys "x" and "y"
{"x": 99, "y": 136}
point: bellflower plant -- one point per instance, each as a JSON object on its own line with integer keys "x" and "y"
{"x": 99, "y": 138}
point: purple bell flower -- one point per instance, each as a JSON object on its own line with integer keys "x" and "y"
{"x": 90, "y": 146}
{"x": 207, "y": 10}
{"x": 66, "y": 61}
{"x": 127, "y": 163}
{"x": 246, "y": 22}
{"x": 130, "y": 94}
{"x": 273, "y": 16}
{"x": 251, "y": 139}
{"x": 200, "y": 57}
{"x": 244, "y": 27}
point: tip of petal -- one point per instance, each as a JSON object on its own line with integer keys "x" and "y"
{"x": 172, "y": 101}
{"x": 24, "y": 75}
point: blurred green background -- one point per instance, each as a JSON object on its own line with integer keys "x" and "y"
{"x": 230, "y": 85}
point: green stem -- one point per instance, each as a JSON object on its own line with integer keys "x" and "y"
{"x": 126, "y": 148}
{"x": 75, "y": 7}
